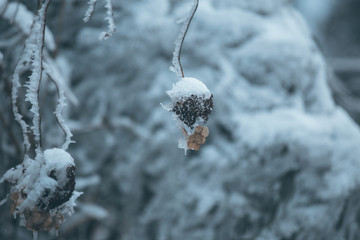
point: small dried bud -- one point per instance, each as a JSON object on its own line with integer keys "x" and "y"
{"x": 198, "y": 138}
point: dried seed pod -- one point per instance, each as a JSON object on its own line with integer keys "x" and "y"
{"x": 198, "y": 138}
{"x": 44, "y": 189}
{"x": 191, "y": 101}
{"x": 61, "y": 168}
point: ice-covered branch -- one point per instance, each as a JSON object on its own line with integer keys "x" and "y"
{"x": 110, "y": 20}
{"x": 89, "y": 12}
{"x": 180, "y": 41}
{"x": 56, "y": 79}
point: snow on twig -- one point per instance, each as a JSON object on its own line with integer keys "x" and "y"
{"x": 110, "y": 20}
{"x": 180, "y": 41}
{"x": 89, "y": 12}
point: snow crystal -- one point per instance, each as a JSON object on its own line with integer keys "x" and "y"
{"x": 188, "y": 86}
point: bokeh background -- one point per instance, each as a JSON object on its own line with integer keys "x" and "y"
{"x": 282, "y": 158}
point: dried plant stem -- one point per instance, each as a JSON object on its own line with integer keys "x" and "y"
{"x": 32, "y": 55}
{"x": 61, "y": 101}
{"x": 180, "y": 41}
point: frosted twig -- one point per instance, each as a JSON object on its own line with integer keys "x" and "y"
{"x": 33, "y": 52}
{"x": 89, "y": 12}
{"x": 18, "y": 15}
{"x": 180, "y": 41}
{"x": 19, "y": 68}
{"x": 110, "y": 20}
{"x": 60, "y": 104}
{"x": 36, "y": 42}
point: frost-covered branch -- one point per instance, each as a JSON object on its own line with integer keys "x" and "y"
{"x": 109, "y": 18}
{"x": 32, "y": 56}
{"x": 22, "y": 18}
{"x": 180, "y": 41}
{"x": 89, "y": 12}
{"x": 55, "y": 78}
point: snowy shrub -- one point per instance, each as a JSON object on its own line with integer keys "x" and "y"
{"x": 281, "y": 161}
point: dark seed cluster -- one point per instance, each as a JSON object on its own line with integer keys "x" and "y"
{"x": 62, "y": 194}
{"x": 190, "y": 109}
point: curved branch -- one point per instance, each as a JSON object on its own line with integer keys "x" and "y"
{"x": 61, "y": 103}
{"x": 180, "y": 41}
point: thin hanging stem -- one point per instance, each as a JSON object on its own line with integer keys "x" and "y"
{"x": 180, "y": 41}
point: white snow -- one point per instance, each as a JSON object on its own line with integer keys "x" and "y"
{"x": 188, "y": 86}
{"x": 57, "y": 159}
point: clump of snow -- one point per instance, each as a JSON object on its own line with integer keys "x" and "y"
{"x": 57, "y": 159}
{"x": 188, "y": 86}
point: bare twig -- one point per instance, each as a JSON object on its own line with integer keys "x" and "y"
{"x": 180, "y": 41}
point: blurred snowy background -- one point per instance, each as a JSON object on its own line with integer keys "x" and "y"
{"x": 282, "y": 158}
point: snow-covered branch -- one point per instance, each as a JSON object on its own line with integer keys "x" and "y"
{"x": 22, "y": 18}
